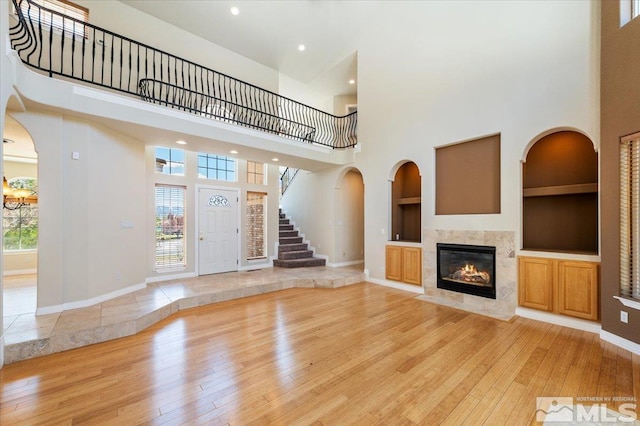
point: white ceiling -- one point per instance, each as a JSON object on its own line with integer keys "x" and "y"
{"x": 269, "y": 32}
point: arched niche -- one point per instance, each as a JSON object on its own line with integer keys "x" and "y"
{"x": 560, "y": 194}
{"x": 406, "y": 207}
{"x": 349, "y": 221}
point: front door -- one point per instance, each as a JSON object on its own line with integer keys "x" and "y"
{"x": 217, "y": 231}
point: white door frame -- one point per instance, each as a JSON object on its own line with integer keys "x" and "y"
{"x": 196, "y": 228}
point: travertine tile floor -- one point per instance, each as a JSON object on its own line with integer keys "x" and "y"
{"x": 28, "y": 335}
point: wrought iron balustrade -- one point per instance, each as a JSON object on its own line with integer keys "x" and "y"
{"x": 66, "y": 47}
{"x": 286, "y": 177}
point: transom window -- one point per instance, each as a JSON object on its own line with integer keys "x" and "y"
{"x": 170, "y": 227}
{"x": 255, "y": 172}
{"x": 170, "y": 161}
{"x": 216, "y": 167}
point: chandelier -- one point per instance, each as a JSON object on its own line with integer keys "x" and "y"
{"x": 14, "y": 198}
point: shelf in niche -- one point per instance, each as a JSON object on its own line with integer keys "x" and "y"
{"x": 409, "y": 200}
{"x": 581, "y": 188}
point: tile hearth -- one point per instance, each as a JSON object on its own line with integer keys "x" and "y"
{"x": 28, "y": 335}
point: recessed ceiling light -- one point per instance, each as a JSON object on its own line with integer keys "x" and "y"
{"x": 275, "y": 159}
{"x": 233, "y": 151}
{"x": 235, "y": 11}
{"x": 301, "y": 47}
{"x": 352, "y": 81}
{"x": 181, "y": 142}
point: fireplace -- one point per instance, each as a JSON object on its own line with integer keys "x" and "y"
{"x": 467, "y": 269}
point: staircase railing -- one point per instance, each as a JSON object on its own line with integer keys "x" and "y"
{"x": 66, "y": 47}
{"x": 286, "y": 177}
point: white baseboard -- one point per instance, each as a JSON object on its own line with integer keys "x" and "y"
{"x": 620, "y": 341}
{"x": 20, "y": 272}
{"x": 339, "y": 264}
{"x": 562, "y": 320}
{"x": 399, "y": 286}
{"x": 161, "y": 278}
{"x": 89, "y": 302}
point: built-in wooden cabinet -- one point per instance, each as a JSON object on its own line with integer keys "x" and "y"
{"x": 568, "y": 287}
{"x": 404, "y": 264}
{"x": 394, "y": 263}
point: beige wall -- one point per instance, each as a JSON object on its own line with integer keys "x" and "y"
{"x": 14, "y": 169}
{"x": 519, "y": 69}
{"x": 620, "y": 117}
{"x": 340, "y": 103}
{"x": 84, "y": 251}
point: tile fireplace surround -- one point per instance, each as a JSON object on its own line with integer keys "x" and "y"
{"x": 504, "y": 306}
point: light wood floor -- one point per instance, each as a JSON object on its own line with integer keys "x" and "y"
{"x": 362, "y": 353}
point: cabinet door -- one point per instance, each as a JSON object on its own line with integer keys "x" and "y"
{"x": 394, "y": 263}
{"x": 578, "y": 289}
{"x": 535, "y": 283}
{"x": 412, "y": 265}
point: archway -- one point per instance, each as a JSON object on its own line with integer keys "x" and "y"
{"x": 20, "y": 223}
{"x": 349, "y": 241}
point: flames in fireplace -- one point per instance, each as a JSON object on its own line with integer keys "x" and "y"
{"x": 469, "y": 274}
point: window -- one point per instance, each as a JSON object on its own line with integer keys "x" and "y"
{"x": 635, "y": 8}
{"x": 170, "y": 161}
{"x": 256, "y": 241}
{"x": 255, "y": 172}
{"x": 630, "y": 217}
{"x": 58, "y": 20}
{"x": 21, "y": 225}
{"x": 216, "y": 167}
{"x": 170, "y": 227}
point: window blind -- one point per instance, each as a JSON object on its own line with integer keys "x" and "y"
{"x": 170, "y": 227}
{"x": 630, "y": 218}
{"x": 55, "y": 21}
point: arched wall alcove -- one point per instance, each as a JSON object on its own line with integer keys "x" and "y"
{"x": 560, "y": 194}
{"x": 349, "y": 240}
{"x": 406, "y": 203}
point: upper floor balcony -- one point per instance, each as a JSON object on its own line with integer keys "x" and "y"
{"x": 69, "y": 49}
